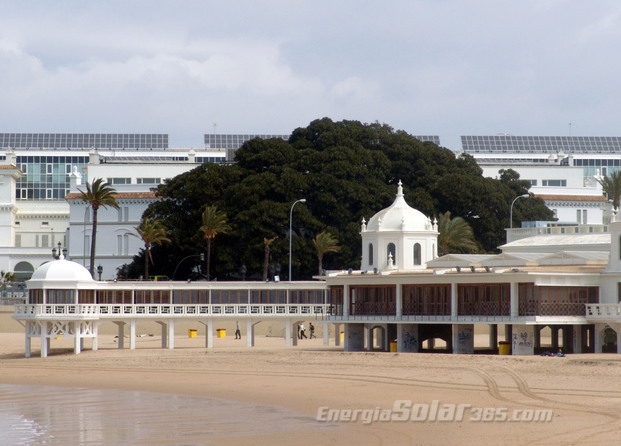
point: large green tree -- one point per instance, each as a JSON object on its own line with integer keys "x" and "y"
{"x": 346, "y": 171}
{"x": 98, "y": 194}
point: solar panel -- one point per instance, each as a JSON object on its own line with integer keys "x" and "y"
{"x": 232, "y": 141}
{"x": 84, "y": 140}
{"x": 547, "y": 144}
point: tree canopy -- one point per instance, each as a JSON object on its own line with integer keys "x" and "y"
{"x": 346, "y": 171}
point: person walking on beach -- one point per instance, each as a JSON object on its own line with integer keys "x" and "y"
{"x": 238, "y": 332}
{"x": 302, "y": 332}
{"x": 312, "y": 330}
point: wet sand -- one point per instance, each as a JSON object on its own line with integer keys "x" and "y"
{"x": 582, "y": 391}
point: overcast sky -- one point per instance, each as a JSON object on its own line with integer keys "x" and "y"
{"x": 434, "y": 67}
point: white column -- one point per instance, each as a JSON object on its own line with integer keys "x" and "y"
{"x": 493, "y": 336}
{"x": 599, "y": 337}
{"x": 28, "y": 339}
{"x": 523, "y": 340}
{"x": 77, "y": 344}
{"x": 249, "y": 333}
{"x": 346, "y": 301}
{"x": 407, "y": 340}
{"x": 577, "y": 339}
{"x": 95, "y": 336}
{"x": 463, "y": 339}
{"x": 171, "y": 334}
{"x": 209, "y": 335}
{"x": 454, "y": 305}
{"x": 44, "y": 339}
{"x": 120, "y": 334}
{"x": 164, "y": 334}
{"x": 132, "y": 334}
{"x": 399, "y": 300}
{"x": 515, "y": 300}
{"x": 326, "y": 334}
{"x": 368, "y": 337}
{"x": 337, "y": 334}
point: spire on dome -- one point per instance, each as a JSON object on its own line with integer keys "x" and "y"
{"x": 399, "y": 189}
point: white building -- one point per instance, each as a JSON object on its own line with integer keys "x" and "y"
{"x": 403, "y": 298}
{"x": 563, "y": 171}
{"x": 35, "y": 175}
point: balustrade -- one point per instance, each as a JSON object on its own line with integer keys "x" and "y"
{"x": 27, "y": 311}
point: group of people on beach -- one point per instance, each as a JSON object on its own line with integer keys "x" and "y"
{"x": 302, "y": 331}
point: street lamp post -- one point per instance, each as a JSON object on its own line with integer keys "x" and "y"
{"x": 301, "y": 200}
{"x": 202, "y": 258}
{"x": 99, "y": 271}
{"x": 511, "y": 209}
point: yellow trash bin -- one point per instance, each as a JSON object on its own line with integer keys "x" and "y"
{"x": 342, "y": 336}
{"x": 504, "y": 348}
{"x": 393, "y": 346}
{"x": 221, "y": 332}
{"x": 192, "y": 333}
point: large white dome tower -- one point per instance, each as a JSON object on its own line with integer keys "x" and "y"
{"x": 398, "y": 238}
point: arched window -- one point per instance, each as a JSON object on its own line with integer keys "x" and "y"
{"x": 370, "y": 253}
{"x": 417, "y": 254}
{"x": 391, "y": 250}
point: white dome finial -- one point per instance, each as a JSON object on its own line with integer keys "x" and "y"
{"x": 400, "y": 189}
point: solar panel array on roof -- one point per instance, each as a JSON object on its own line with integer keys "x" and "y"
{"x": 228, "y": 141}
{"x": 431, "y": 138}
{"x": 538, "y": 144}
{"x": 84, "y": 140}
{"x": 224, "y": 141}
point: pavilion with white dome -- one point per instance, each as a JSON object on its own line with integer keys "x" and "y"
{"x": 403, "y": 298}
{"x": 406, "y": 298}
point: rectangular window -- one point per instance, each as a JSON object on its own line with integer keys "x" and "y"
{"x": 120, "y": 180}
{"x": 119, "y": 244}
{"x": 18, "y": 240}
{"x": 126, "y": 244}
{"x": 584, "y": 216}
{"x": 45, "y": 241}
{"x": 578, "y": 216}
{"x": 149, "y": 180}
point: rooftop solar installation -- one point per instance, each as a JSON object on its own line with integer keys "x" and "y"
{"x": 224, "y": 141}
{"x": 229, "y": 141}
{"x": 84, "y": 140}
{"x": 538, "y": 144}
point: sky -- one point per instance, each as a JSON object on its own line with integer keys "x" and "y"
{"x": 428, "y": 67}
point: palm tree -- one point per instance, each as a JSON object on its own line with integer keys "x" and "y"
{"x": 324, "y": 243}
{"x": 150, "y": 232}
{"x": 611, "y": 185}
{"x": 6, "y": 278}
{"x": 266, "y": 260}
{"x": 98, "y": 194}
{"x": 214, "y": 222}
{"x": 456, "y": 235}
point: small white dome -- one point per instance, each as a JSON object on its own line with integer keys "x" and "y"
{"x": 399, "y": 216}
{"x": 63, "y": 271}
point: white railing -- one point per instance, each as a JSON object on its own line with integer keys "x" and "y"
{"x": 120, "y": 311}
{"x": 603, "y": 311}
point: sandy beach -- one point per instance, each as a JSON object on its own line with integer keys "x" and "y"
{"x": 583, "y": 392}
